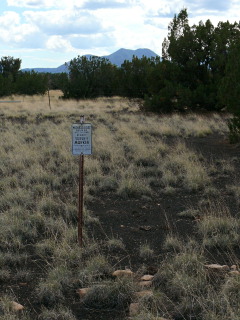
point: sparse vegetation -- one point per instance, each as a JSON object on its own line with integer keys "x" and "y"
{"x": 145, "y": 251}
{"x": 109, "y": 295}
{"x": 141, "y": 163}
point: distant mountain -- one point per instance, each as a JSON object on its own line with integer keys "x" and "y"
{"x": 121, "y": 55}
{"x": 116, "y": 58}
{"x": 59, "y": 69}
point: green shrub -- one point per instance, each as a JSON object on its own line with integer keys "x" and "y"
{"x": 49, "y": 293}
{"x": 222, "y": 232}
{"x": 145, "y": 251}
{"x": 114, "y": 294}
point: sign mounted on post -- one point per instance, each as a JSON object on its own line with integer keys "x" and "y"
{"x": 81, "y": 145}
{"x": 81, "y": 139}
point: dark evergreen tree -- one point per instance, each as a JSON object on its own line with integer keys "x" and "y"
{"x": 90, "y": 78}
{"x": 57, "y": 81}
{"x": 31, "y": 83}
{"x": 5, "y": 86}
{"x": 9, "y": 68}
{"x": 200, "y": 53}
{"x": 229, "y": 90}
{"x": 134, "y": 76}
{"x": 163, "y": 85}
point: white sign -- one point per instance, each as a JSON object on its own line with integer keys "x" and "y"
{"x": 81, "y": 139}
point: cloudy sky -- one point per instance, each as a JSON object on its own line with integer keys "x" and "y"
{"x": 47, "y": 33}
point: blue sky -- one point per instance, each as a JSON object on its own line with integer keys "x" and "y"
{"x": 47, "y": 33}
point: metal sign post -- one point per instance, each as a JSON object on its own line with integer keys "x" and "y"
{"x": 81, "y": 145}
{"x": 80, "y": 202}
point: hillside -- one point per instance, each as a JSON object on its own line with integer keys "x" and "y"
{"x": 116, "y": 58}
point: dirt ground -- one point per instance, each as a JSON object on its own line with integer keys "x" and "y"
{"x": 150, "y": 220}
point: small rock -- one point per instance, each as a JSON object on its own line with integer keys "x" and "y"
{"x": 233, "y": 267}
{"x": 145, "y": 228}
{"x": 82, "y": 292}
{"x": 134, "y": 309}
{"x": 111, "y": 211}
{"x": 122, "y": 273}
{"x": 23, "y": 284}
{"x": 234, "y": 273}
{"x": 17, "y": 306}
{"x": 145, "y": 284}
{"x": 143, "y": 293}
{"x": 147, "y": 277}
{"x": 217, "y": 267}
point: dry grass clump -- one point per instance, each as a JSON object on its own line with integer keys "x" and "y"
{"x": 145, "y": 251}
{"x": 190, "y": 213}
{"x": 49, "y": 293}
{"x": 7, "y": 311}
{"x": 177, "y": 125}
{"x": 115, "y": 244}
{"x": 182, "y": 281}
{"x": 131, "y": 185}
{"x": 222, "y": 232}
{"x": 111, "y": 294}
{"x": 235, "y": 189}
{"x": 5, "y": 274}
{"x": 173, "y": 244}
{"x": 218, "y": 228}
{"x": 231, "y": 289}
{"x": 182, "y": 167}
{"x": 57, "y": 313}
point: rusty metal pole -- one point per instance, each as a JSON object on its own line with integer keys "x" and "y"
{"x": 80, "y": 196}
{"x": 80, "y": 201}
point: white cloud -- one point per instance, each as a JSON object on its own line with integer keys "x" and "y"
{"x": 27, "y": 3}
{"x": 58, "y": 43}
{"x": 211, "y": 5}
{"x": 54, "y": 30}
{"x": 129, "y": 28}
{"x": 92, "y": 41}
{"x": 166, "y": 8}
{"x": 60, "y": 22}
{"x": 84, "y": 4}
{"x": 9, "y": 18}
{"x": 15, "y": 33}
{"x": 100, "y": 27}
{"x": 103, "y": 4}
{"x": 158, "y": 23}
{"x": 45, "y": 4}
{"x": 151, "y": 8}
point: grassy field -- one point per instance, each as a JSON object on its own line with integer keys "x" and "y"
{"x": 137, "y": 159}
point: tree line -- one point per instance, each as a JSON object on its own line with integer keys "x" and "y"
{"x": 199, "y": 69}
{"x": 13, "y": 81}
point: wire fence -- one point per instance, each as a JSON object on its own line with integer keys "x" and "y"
{"x": 15, "y": 101}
